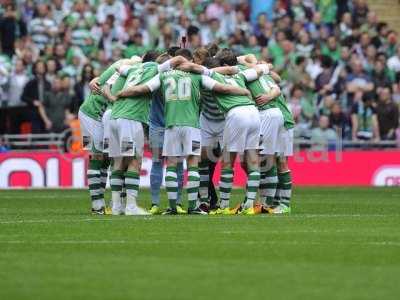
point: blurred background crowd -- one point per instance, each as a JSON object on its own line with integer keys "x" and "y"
{"x": 339, "y": 63}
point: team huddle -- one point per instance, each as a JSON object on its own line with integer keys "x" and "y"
{"x": 202, "y": 107}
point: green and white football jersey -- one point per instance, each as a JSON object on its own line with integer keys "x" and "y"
{"x": 181, "y": 92}
{"x": 95, "y": 105}
{"x": 263, "y": 85}
{"x": 209, "y": 107}
{"x": 134, "y": 108}
{"x": 287, "y": 114}
{"x": 225, "y": 101}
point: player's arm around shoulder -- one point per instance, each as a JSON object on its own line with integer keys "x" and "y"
{"x": 274, "y": 92}
{"x": 136, "y": 90}
{"x": 213, "y": 85}
{"x": 172, "y": 63}
{"x": 255, "y": 72}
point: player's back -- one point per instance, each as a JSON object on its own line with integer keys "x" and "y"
{"x": 138, "y": 107}
{"x": 226, "y": 101}
{"x": 181, "y": 92}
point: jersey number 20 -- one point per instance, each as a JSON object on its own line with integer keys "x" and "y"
{"x": 178, "y": 90}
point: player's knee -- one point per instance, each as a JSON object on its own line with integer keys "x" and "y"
{"x": 282, "y": 165}
{"x": 193, "y": 161}
{"x": 97, "y": 156}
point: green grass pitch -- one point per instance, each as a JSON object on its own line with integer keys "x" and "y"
{"x": 338, "y": 243}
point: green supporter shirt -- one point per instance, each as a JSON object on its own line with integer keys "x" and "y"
{"x": 95, "y": 105}
{"x": 225, "y": 101}
{"x": 134, "y": 108}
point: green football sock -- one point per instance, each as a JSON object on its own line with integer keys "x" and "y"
{"x": 225, "y": 187}
{"x": 268, "y": 185}
{"x": 94, "y": 182}
{"x": 253, "y": 183}
{"x": 116, "y": 180}
{"x": 285, "y": 187}
{"x": 193, "y": 186}
{"x": 132, "y": 181}
{"x": 171, "y": 184}
{"x": 204, "y": 179}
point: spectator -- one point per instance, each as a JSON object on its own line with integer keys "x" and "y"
{"x": 338, "y": 120}
{"x": 114, "y": 8}
{"x": 323, "y": 137}
{"x": 55, "y": 107}
{"x": 381, "y": 78}
{"x": 81, "y": 88}
{"x": 335, "y": 51}
{"x": 11, "y": 28}
{"x": 364, "y": 120}
{"x": 323, "y": 82}
{"x": 215, "y": 10}
{"x": 345, "y": 26}
{"x": 42, "y": 28}
{"x": 358, "y": 82}
{"x": 52, "y": 68}
{"x": 331, "y": 49}
{"x": 80, "y": 21}
{"x": 360, "y": 11}
{"x": 33, "y": 95}
{"x": 17, "y": 82}
{"x": 388, "y": 115}
{"x": 393, "y": 62}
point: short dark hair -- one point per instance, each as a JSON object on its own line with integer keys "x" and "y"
{"x": 213, "y": 49}
{"x": 185, "y": 53}
{"x": 150, "y": 55}
{"x": 211, "y": 62}
{"x": 192, "y": 30}
{"x": 172, "y": 50}
{"x": 163, "y": 58}
{"x": 326, "y": 61}
{"x": 36, "y": 64}
{"x": 227, "y": 57}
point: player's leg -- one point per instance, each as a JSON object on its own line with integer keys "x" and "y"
{"x": 204, "y": 175}
{"x": 268, "y": 179}
{"x": 118, "y": 169}
{"x": 91, "y": 130}
{"x": 172, "y": 149}
{"x": 211, "y": 187}
{"x": 253, "y": 178}
{"x": 192, "y": 150}
{"x": 252, "y": 122}
{"x": 226, "y": 181}
{"x": 132, "y": 144}
{"x": 284, "y": 174}
{"x": 94, "y": 182}
{"x": 180, "y": 174}
{"x": 117, "y": 182}
{"x": 193, "y": 185}
{"x": 271, "y": 123}
{"x": 156, "y": 138}
{"x": 107, "y": 161}
{"x": 171, "y": 184}
{"x": 234, "y": 141}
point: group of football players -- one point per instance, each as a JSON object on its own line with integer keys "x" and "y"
{"x": 204, "y": 106}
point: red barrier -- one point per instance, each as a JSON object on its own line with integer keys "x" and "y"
{"x": 362, "y": 168}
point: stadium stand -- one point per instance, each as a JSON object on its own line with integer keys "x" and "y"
{"x": 339, "y": 61}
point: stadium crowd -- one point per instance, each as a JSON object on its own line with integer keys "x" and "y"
{"x": 339, "y": 63}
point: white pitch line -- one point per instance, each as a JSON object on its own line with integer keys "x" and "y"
{"x": 24, "y": 196}
{"x": 253, "y": 242}
{"x": 208, "y": 219}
